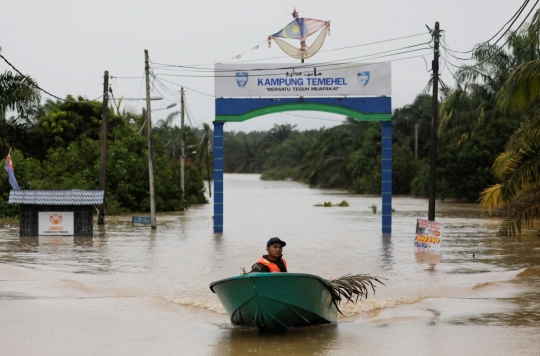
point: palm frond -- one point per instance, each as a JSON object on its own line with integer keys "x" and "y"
{"x": 521, "y": 89}
{"x": 521, "y": 212}
{"x": 523, "y": 169}
{"x": 529, "y": 131}
{"x": 352, "y": 288}
{"x": 491, "y": 198}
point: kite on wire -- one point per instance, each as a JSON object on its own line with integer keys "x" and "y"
{"x": 300, "y": 29}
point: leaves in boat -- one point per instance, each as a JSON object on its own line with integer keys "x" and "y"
{"x": 352, "y": 288}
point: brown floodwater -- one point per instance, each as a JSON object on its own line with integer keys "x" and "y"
{"x": 130, "y": 290}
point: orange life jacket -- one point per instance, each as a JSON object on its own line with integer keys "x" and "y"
{"x": 271, "y": 265}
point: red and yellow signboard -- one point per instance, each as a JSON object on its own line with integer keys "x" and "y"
{"x": 428, "y": 235}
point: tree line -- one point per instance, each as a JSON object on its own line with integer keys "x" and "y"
{"x": 56, "y": 145}
{"x": 348, "y": 156}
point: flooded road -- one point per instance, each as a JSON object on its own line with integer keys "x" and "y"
{"x": 128, "y": 290}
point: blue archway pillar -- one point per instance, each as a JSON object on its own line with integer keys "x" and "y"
{"x": 386, "y": 177}
{"x": 218, "y": 177}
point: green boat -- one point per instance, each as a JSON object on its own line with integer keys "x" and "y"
{"x": 276, "y": 301}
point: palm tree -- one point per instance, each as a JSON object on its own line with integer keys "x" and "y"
{"x": 17, "y": 92}
{"x": 517, "y": 196}
{"x": 474, "y": 102}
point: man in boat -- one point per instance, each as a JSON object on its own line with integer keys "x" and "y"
{"x": 274, "y": 261}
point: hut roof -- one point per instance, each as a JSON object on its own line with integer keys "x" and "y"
{"x": 56, "y": 197}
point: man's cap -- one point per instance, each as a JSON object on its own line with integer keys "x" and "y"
{"x": 273, "y": 240}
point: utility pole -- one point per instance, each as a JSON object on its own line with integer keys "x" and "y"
{"x": 103, "y": 157}
{"x": 149, "y": 132}
{"x": 434, "y": 114}
{"x": 206, "y": 147}
{"x": 182, "y": 149}
{"x": 416, "y": 141}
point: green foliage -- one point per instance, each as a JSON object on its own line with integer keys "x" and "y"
{"x": 17, "y": 92}
{"x": 279, "y": 173}
{"x": 373, "y": 208}
{"x": 70, "y": 153}
{"x": 328, "y": 204}
{"x": 420, "y": 183}
{"x": 500, "y": 97}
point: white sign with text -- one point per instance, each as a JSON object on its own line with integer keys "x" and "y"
{"x": 302, "y": 79}
{"x": 56, "y": 223}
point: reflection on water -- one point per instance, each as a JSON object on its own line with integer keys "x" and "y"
{"x": 428, "y": 258}
{"x": 307, "y": 341}
{"x": 387, "y": 258}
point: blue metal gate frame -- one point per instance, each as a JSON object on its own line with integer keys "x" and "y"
{"x": 360, "y": 108}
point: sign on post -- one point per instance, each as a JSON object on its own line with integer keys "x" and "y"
{"x": 428, "y": 235}
{"x": 56, "y": 223}
{"x": 141, "y": 220}
{"x": 300, "y": 79}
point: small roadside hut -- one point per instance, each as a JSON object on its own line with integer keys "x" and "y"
{"x": 56, "y": 212}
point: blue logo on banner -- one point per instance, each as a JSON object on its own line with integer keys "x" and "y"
{"x": 363, "y": 77}
{"x": 242, "y": 79}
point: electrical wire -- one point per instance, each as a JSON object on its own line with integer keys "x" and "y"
{"x": 165, "y": 88}
{"x": 193, "y": 90}
{"x": 188, "y": 111}
{"x": 497, "y": 50}
{"x": 502, "y": 36}
{"x": 155, "y": 88}
{"x": 213, "y": 96}
{"x": 516, "y": 14}
{"x": 31, "y": 82}
{"x": 323, "y": 64}
{"x": 268, "y": 58}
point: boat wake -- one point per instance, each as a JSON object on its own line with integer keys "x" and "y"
{"x": 348, "y": 309}
{"x": 529, "y": 272}
{"x": 367, "y": 305}
{"x": 203, "y": 303}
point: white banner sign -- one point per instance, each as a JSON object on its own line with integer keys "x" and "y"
{"x": 301, "y": 79}
{"x": 56, "y": 223}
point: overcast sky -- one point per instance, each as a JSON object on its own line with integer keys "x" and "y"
{"x": 66, "y": 45}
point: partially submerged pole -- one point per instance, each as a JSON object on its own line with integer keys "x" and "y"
{"x": 149, "y": 132}
{"x": 434, "y": 114}
{"x": 182, "y": 150}
{"x": 103, "y": 156}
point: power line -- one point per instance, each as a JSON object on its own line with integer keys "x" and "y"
{"x": 516, "y": 14}
{"x": 513, "y": 19}
{"x": 115, "y": 77}
{"x": 498, "y": 49}
{"x": 268, "y": 58}
{"x": 31, "y": 82}
{"x": 213, "y": 96}
{"x": 323, "y": 64}
{"x": 190, "y": 115}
